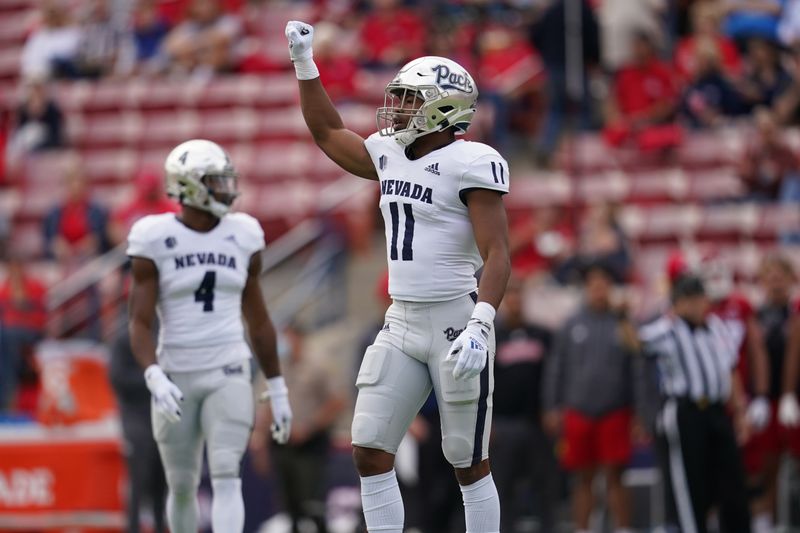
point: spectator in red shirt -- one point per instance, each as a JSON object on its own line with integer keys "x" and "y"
{"x": 540, "y": 242}
{"x": 706, "y": 23}
{"x": 337, "y": 66}
{"x": 769, "y": 167}
{"x": 391, "y": 35}
{"x": 510, "y": 75}
{"x": 76, "y": 229}
{"x": 149, "y": 199}
{"x": 644, "y": 100}
{"x": 22, "y": 322}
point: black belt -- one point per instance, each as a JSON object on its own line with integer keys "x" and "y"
{"x": 700, "y": 403}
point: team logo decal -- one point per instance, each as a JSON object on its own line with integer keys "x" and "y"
{"x": 452, "y": 80}
{"x": 452, "y": 334}
{"x": 170, "y": 242}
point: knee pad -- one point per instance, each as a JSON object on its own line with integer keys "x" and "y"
{"x": 224, "y": 463}
{"x": 457, "y": 450}
{"x": 183, "y": 483}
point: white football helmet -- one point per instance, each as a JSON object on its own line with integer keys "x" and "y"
{"x": 199, "y": 173}
{"x": 448, "y": 95}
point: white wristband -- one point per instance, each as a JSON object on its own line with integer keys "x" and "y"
{"x": 276, "y": 386}
{"x": 305, "y": 69}
{"x": 484, "y": 312}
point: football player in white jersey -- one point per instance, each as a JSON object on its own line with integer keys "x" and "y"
{"x": 441, "y": 200}
{"x": 199, "y": 271}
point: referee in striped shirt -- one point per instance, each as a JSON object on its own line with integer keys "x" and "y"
{"x": 702, "y": 468}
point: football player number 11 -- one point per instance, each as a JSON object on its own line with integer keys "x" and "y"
{"x": 407, "y": 253}
{"x": 205, "y": 292}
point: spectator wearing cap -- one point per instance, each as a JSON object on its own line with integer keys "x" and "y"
{"x": 698, "y": 440}
{"x": 753, "y": 18}
{"x": 589, "y": 398}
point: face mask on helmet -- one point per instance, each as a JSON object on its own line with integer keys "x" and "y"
{"x": 222, "y": 187}
{"x": 400, "y": 107}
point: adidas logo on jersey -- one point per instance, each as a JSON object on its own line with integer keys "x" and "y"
{"x": 433, "y": 169}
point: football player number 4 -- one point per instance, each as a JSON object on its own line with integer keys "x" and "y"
{"x": 407, "y": 253}
{"x": 205, "y": 292}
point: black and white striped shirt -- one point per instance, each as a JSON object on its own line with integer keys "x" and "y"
{"x": 693, "y": 362}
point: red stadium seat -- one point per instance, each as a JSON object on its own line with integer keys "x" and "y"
{"x": 715, "y": 184}
{"x": 10, "y": 61}
{"x": 729, "y": 221}
{"x": 666, "y": 185}
{"x": 14, "y": 25}
{"x": 611, "y": 186}
{"x": 114, "y": 165}
{"x": 541, "y": 189}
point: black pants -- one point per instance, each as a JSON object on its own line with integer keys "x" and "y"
{"x": 301, "y": 469}
{"x": 522, "y": 458}
{"x": 145, "y": 472}
{"x": 702, "y": 467}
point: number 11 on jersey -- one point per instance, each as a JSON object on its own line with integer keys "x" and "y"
{"x": 408, "y": 235}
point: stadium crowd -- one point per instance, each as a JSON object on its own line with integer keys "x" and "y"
{"x": 652, "y": 73}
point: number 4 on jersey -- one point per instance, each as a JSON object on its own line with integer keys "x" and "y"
{"x": 205, "y": 292}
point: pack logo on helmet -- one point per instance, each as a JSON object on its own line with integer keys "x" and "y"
{"x": 459, "y": 82}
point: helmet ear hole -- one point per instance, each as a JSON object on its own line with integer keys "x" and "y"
{"x": 446, "y": 108}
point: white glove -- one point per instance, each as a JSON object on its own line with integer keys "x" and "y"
{"x": 758, "y": 413}
{"x": 278, "y": 397}
{"x": 789, "y": 411}
{"x": 470, "y": 350}
{"x": 166, "y": 394}
{"x": 300, "y": 36}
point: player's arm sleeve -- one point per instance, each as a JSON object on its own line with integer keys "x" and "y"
{"x": 489, "y": 171}
{"x": 140, "y": 241}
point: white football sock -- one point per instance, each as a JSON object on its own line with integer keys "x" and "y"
{"x": 382, "y": 503}
{"x": 182, "y": 509}
{"x": 481, "y": 506}
{"x": 227, "y": 505}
